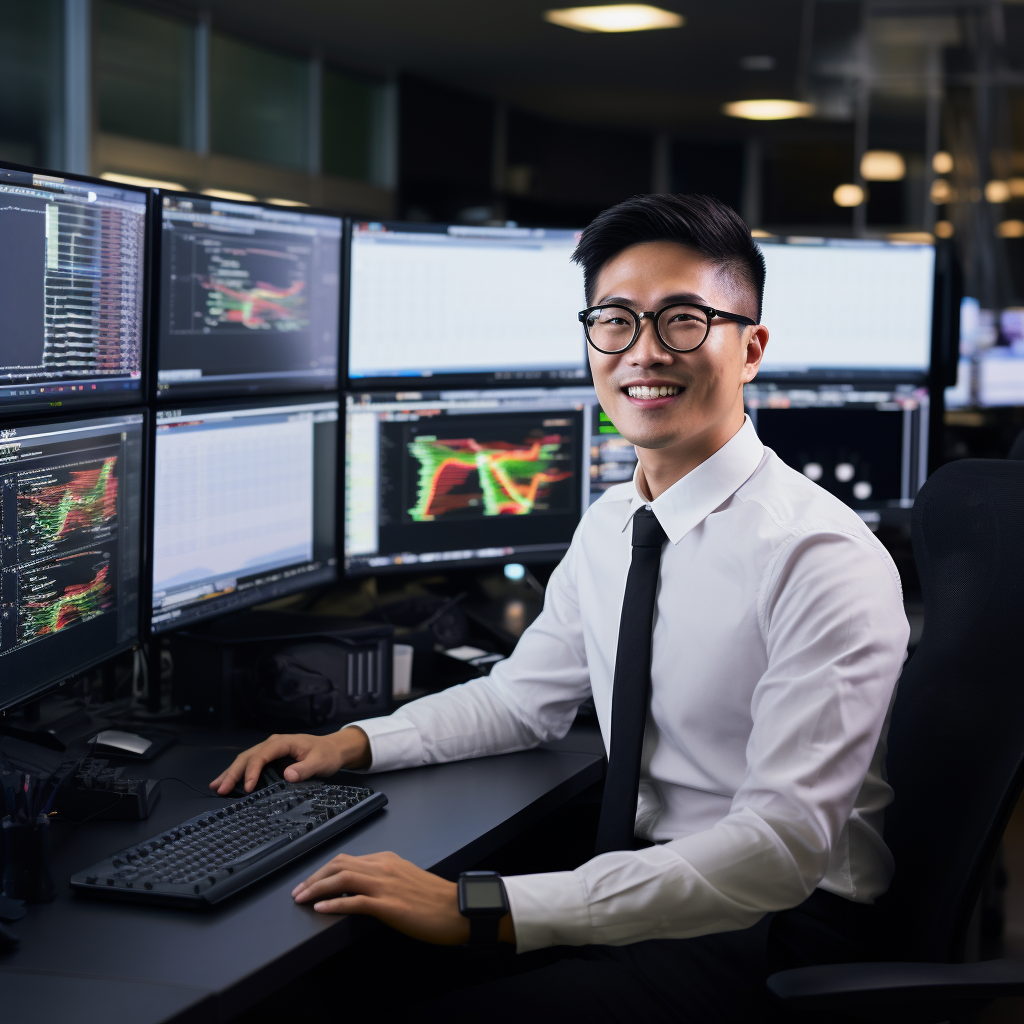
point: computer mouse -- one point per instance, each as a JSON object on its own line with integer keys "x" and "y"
{"x": 8, "y": 940}
{"x": 272, "y": 773}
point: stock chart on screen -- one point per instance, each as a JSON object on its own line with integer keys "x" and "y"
{"x": 70, "y": 512}
{"x": 249, "y": 298}
{"x": 466, "y": 477}
{"x": 72, "y": 266}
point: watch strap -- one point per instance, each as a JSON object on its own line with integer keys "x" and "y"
{"x": 483, "y": 931}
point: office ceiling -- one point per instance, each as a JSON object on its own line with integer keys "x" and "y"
{"x": 504, "y": 49}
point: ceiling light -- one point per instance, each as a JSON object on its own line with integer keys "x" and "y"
{"x": 944, "y": 228}
{"x": 286, "y": 202}
{"x": 882, "y": 165}
{"x": 133, "y": 179}
{"x": 848, "y": 195}
{"x": 942, "y": 192}
{"x": 911, "y": 237}
{"x": 758, "y": 233}
{"x": 768, "y": 110}
{"x": 942, "y": 163}
{"x": 762, "y": 62}
{"x": 1010, "y": 229}
{"x": 225, "y": 193}
{"x": 615, "y": 18}
{"x": 1016, "y": 187}
{"x": 997, "y": 191}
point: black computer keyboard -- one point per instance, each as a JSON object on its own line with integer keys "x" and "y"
{"x": 214, "y": 855}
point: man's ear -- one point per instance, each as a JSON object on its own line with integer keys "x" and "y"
{"x": 756, "y": 342}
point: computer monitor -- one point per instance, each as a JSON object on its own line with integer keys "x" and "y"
{"x": 243, "y": 506}
{"x": 249, "y": 299}
{"x": 72, "y": 276}
{"x": 441, "y": 479}
{"x": 463, "y": 306}
{"x": 866, "y": 445}
{"x": 70, "y": 545}
{"x": 849, "y": 309}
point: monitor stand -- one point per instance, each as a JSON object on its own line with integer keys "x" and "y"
{"x": 51, "y": 722}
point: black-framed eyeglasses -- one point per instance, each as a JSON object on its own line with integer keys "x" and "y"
{"x": 679, "y": 326}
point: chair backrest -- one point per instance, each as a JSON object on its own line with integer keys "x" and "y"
{"x": 1017, "y": 448}
{"x": 956, "y": 740}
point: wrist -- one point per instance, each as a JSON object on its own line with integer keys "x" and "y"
{"x": 507, "y": 930}
{"x": 353, "y": 747}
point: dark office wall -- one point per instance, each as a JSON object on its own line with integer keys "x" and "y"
{"x": 446, "y": 146}
{"x": 797, "y": 181}
{"x": 564, "y": 174}
{"x": 711, "y": 167}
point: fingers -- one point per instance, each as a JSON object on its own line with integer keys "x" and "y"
{"x": 344, "y": 883}
{"x": 377, "y": 865}
{"x": 345, "y": 905}
{"x": 251, "y": 762}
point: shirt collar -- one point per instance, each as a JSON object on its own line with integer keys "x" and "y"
{"x": 690, "y": 500}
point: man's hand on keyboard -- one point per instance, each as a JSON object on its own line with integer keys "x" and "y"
{"x": 314, "y": 755}
{"x": 395, "y": 891}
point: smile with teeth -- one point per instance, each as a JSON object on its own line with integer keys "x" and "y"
{"x": 643, "y": 391}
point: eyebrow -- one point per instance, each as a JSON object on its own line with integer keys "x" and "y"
{"x": 668, "y": 300}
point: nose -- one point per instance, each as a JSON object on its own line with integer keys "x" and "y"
{"x": 648, "y": 350}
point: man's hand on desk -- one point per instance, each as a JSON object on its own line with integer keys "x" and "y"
{"x": 395, "y": 891}
{"x": 314, "y": 755}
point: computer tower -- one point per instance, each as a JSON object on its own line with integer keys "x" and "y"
{"x": 282, "y": 671}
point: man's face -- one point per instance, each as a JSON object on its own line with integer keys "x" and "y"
{"x": 706, "y": 385}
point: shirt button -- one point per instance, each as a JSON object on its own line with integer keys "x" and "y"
{"x": 648, "y": 507}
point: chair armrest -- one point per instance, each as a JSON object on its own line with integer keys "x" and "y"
{"x": 870, "y": 986}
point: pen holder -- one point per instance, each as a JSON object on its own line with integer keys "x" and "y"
{"x": 27, "y": 860}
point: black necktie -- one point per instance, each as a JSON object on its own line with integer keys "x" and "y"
{"x": 631, "y": 686}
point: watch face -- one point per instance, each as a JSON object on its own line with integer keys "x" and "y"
{"x": 484, "y": 894}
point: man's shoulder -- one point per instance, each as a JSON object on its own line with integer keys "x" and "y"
{"x": 795, "y": 504}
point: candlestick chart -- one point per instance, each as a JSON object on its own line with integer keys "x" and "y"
{"x": 64, "y": 507}
{"x": 62, "y": 592}
{"x": 462, "y": 476}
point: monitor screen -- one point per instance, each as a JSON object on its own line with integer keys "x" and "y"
{"x": 846, "y": 308}
{"x": 243, "y": 507}
{"x": 249, "y": 299}
{"x": 70, "y": 544}
{"x": 470, "y": 477}
{"x": 464, "y": 305}
{"x": 866, "y": 445}
{"x": 72, "y": 271}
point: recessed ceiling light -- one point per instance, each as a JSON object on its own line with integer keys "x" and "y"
{"x": 758, "y": 233}
{"x": 882, "y": 165}
{"x": 286, "y": 202}
{"x": 768, "y": 110}
{"x": 134, "y": 179}
{"x": 760, "y": 62}
{"x": 226, "y": 193}
{"x": 848, "y": 195}
{"x": 942, "y": 162}
{"x": 1010, "y": 229}
{"x": 997, "y": 192}
{"x": 944, "y": 229}
{"x": 615, "y": 18}
{"x": 942, "y": 192}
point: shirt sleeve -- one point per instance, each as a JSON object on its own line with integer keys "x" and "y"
{"x": 527, "y": 699}
{"x": 832, "y": 618}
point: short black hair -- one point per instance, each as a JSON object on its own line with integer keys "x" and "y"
{"x": 701, "y": 223}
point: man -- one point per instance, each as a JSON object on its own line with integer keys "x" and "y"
{"x": 778, "y": 636}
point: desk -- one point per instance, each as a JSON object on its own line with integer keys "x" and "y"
{"x": 99, "y": 962}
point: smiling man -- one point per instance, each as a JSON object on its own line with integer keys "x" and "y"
{"x": 740, "y": 631}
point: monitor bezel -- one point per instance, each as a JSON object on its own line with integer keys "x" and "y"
{"x": 87, "y": 401}
{"x": 301, "y": 584}
{"x": 57, "y": 682}
{"x": 242, "y": 391}
{"x": 441, "y": 381}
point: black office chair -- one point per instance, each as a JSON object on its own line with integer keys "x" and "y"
{"x": 955, "y": 761}
{"x": 1017, "y": 448}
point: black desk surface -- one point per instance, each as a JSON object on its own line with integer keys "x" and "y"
{"x": 91, "y": 960}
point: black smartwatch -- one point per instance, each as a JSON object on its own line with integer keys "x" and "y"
{"x": 483, "y": 900}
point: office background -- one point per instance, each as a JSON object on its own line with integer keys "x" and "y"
{"x": 908, "y": 129}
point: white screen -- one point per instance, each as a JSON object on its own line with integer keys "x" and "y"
{"x": 424, "y": 304}
{"x": 852, "y": 306}
{"x": 231, "y": 499}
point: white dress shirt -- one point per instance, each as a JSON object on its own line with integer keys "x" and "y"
{"x": 779, "y": 635}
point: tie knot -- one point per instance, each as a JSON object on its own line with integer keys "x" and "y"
{"x": 647, "y": 531}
